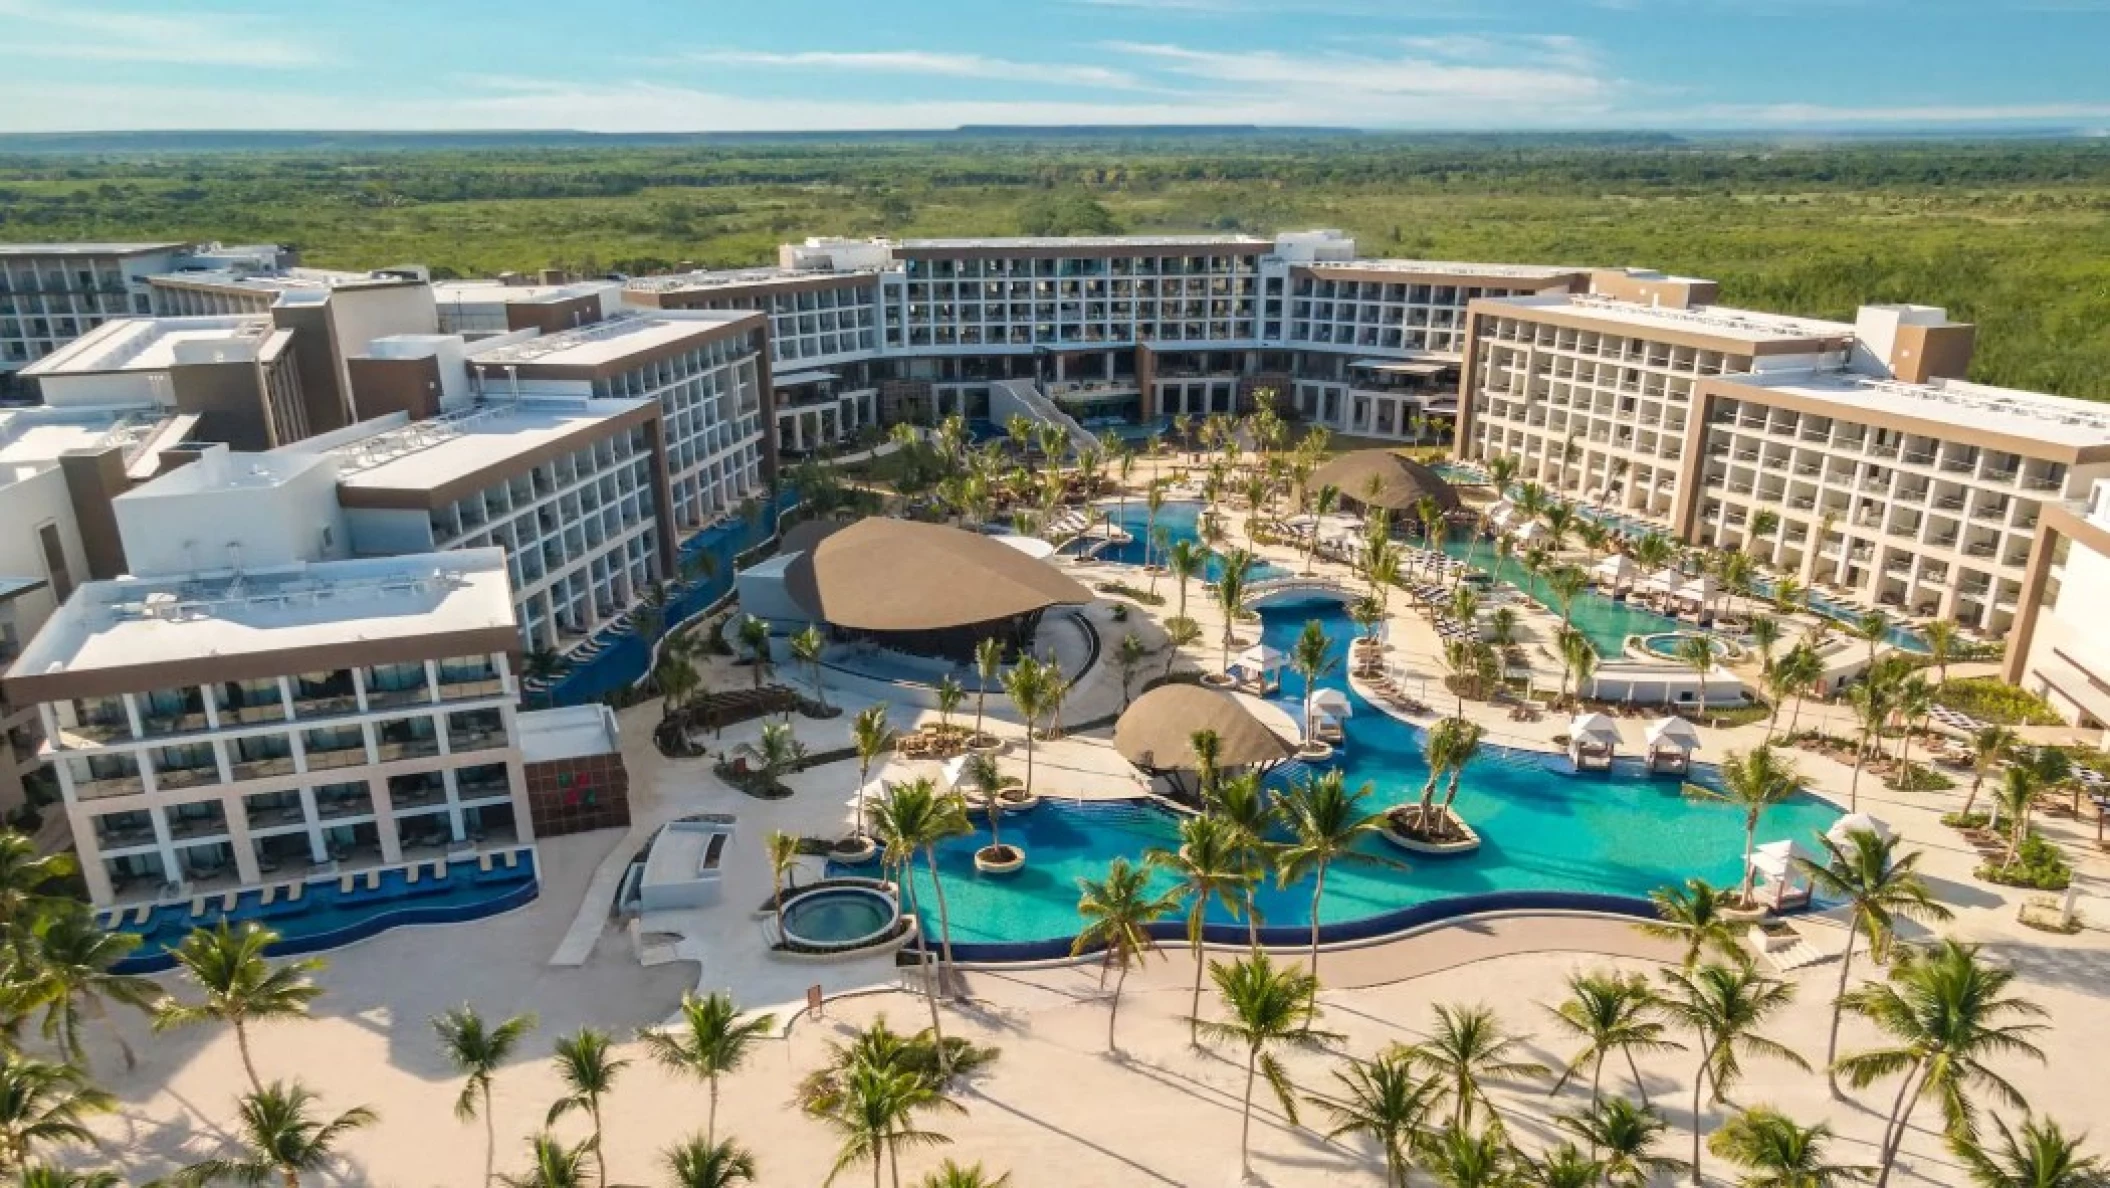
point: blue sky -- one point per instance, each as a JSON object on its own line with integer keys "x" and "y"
{"x": 715, "y": 65}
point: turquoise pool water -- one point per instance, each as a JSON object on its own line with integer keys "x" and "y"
{"x": 1543, "y": 828}
{"x": 1666, "y": 646}
{"x": 1178, "y": 521}
{"x": 838, "y": 916}
{"x": 1605, "y": 621}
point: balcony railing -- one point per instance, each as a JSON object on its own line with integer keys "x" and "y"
{"x": 263, "y": 769}
{"x": 130, "y": 785}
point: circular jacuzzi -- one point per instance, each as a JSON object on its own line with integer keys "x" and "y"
{"x": 1665, "y": 646}
{"x": 839, "y": 917}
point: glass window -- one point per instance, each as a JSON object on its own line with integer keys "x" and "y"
{"x": 253, "y": 701}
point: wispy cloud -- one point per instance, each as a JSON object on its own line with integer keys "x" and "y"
{"x": 926, "y": 63}
{"x": 1427, "y": 77}
{"x": 82, "y": 32}
{"x": 1834, "y": 116}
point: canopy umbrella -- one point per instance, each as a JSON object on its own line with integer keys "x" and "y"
{"x": 1700, "y": 590}
{"x": 1665, "y": 581}
{"x": 1596, "y": 728}
{"x": 1615, "y": 570}
{"x": 1529, "y": 531}
{"x": 1262, "y": 659}
{"x": 1331, "y": 703}
{"x": 954, "y": 772}
{"x": 1672, "y": 732}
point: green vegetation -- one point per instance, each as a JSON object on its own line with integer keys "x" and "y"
{"x": 1990, "y": 699}
{"x": 2009, "y": 234}
{"x": 2039, "y": 864}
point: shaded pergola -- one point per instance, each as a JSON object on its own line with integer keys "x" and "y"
{"x": 927, "y": 589}
{"x": 1381, "y": 478}
{"x": 1156, "y": 734}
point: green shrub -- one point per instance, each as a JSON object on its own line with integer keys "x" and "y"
{"x": 1919, "y": 778}
{"x": 1990, "y": 699}
{"x": 1966, "y": 820}
{"x": 2039, "y": 864}
{"x": 1132, "y": 593}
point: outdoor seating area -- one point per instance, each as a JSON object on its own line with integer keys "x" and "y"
{"x": 1671, "y": 742}
{"x": 1593, "y": 742}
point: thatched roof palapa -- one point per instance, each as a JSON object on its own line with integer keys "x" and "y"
{"x": 1156, "y": 732}
{"x": 1402, "y": 482}
{"x": 883, "y": 574}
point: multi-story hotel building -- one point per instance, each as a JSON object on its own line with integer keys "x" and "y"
{"x": 223, "y": 725}
{"x": 51, "y": 293}
{"x": 2057, "y": 649}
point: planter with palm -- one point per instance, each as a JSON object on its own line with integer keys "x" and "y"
{"x": 983, "y": 772}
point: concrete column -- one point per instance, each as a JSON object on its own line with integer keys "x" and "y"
{"x": 385, "y": 820}
{"x": 93, "y": 872}
{"x": 245, "y": 864}
{"x": 456, "y": 828}
{"x": 311, "y": 816}
{"x": 165, "y": 844}
{"x": 516, "y": 779}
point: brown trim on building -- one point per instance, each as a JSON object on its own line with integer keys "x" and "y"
{"x": 1842, "y": 408}
{"x": 2055, "y": 522}
{"x": 1674, "y": 292}
{"x": 724, "y": 296}
{"x": 1146, "y": 381}
{"x": 1920, "y": 354}
{"x": 551, "y": 317}
{"x": 1581, "y": 318}
{"x": 26, "y": 688}
{"x": 701, "y": 334}
{"x": 1567, "y": 282}
{"x": 384, "y": 386}
{"x": 1692, "y": 465}
{"x": 663, "y": 499}
{"x": 1468, "y": 367}
{"x": 93, "y": 479}
{"x": 1083, "y": 251}
{"x": 352, "y": 493}
{"x": 765, "y": 375}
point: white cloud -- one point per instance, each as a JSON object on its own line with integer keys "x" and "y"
{"x": 928, "y": 64}
{"x": 1432, "y": 78}
{"x": 73, "y": 31}
{"x": 1821, "y": 115}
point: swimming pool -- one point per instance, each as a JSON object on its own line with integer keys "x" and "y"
{"x": 1901, "y": 637}
{"x": 1548, "y": 837}
{"x": 1178, "y": 521}
{"x": 1606, "y": 622}
{"x": 328, "y": 917}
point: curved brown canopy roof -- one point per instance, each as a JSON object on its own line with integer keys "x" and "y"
{"x": 883, "y": 574}
{"x": 1401, "y": 481}
{"x": 1156, "y": 732}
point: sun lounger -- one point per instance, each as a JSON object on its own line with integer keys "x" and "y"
{"x": 228, "y": 900}
{"x": 269, "y": 897}
{"x": 295, "y": 891}
{"x": 142, "y": 914}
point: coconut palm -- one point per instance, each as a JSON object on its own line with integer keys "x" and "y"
{"x": 1323, "y": 502}
{"x": 1776, "y": 1152}
{"x": 1185, "y": 561}
{"x": 280, "y": 1140}
{"x": 2015, "y": 796}
{"x": 950, "y": 696}
{"x": 1566, "y": 583}
{"x": 1386, "y": 1101}
{"x": 1752, "y": 781}
{"x": 1253, "y": 813}
{"x": 1792, "y": 675}
{"x": 1464, "y": 748}
{"x": 782, "y": 850}
{"x": 1865, "y": 872}
{"x": 1564, "y": 1166}
{"x": 807, "y": 647}
{"x": 1765, "y": 633}
{"x": 2040, "y": 1156}
{"x": 552, "y": 1164}
{"x": 953, "y": 1175}
{"x": 1153, "y": 503}
{"x": 587, "y": 1064}
{"x": 712, "y": 1040}
{"x": 240, "y": 986}
{"x": 43, "y": 1104}
{"x": 676, "y": 680}
{"x": 24, "y": 875}
{"x": 1948, "y": 1013}
{"x": 697, "y": 1162}
{"x": 1440, "y": 749}
{"x": 1610, "y": 1014}
{"x": 1911, "y": 700}
{"x": 1270, "y": 1007}
{"x": 1461, "y": 1158}
{"x": 1991, "y": 746}
{"x": 1311, "y": 657}
{"x": 1232, "y": 582}
{"x": 1325, "y": 822}
{"x": 1623, "y": 1137}
{"x": 754, "y": 636}
{"x": 476, "y": 1049}
{"x": 1213, "y": 866}
{"x": 982, "y": 771}
{"x": 1724, "y": 1005}
{"x": 1941, "y": 636}
{"x": 1468, "y": 1048}
{"x": 1872, "y": 628}
{"x": 1208, "y": 747}
{"x": 1118, "y": 911}
{"x": 1871, "y": 699}
{"x": 988, "y": 667}
{"x": 876, "y": 1117}
{"x": 913, "y": 818}
{"x": 1693, "y": 914}
{"x": 64, "y": 966}
{"x": 1697, "y": 653}
{"x": 775, "y": 753}
{"x": 1031, "y": 687}
{"x": 1578, "y": 659}
{"x": 1129, "y": 655}
{"x": 872, "y": 737}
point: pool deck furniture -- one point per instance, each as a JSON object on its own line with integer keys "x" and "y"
{"x": 1671, "y": 742}
{"x": 1593, "y": 742}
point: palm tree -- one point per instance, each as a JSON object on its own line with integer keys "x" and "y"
{"x": 1865, "y": 873}
{"x": 697, "y": 1162}
{"x": 240, "y": 986}
{"x": 1253, "y": 813}
{"x": 1610, "y": 1013}
{"x": 876, "y": 1117}
{"x": 1153, "y": 503}
{"x": 1312, "y": 657}
{"x": 912, "y": 817}
{"x": 713, "y": 1040}
{"x": 782, "y": 850}
{"x": 1461, "y": 1158}
{"x": 1179, "y": 633}
{"x": 1270, "y": 1007}
{"x": 776, "y": 753}
{"x": 279, "y": 1139}
{"x": 1911, "y": 700}
{"x": 24, "y": 874}
{"x": 44, "y": 1175}
{"x": 1779, "y": 1153}
{"x": 952, "y": 1175}
{"x": 551, "y": 1164}
{"x": 988, "y": 666}
{"x": 676, "y": 680}
{"x": 1129, "y": 655}
{"x": 1949, "y": 1013}
{"x": 1872, "y": 628}
{"x": 1693, "y": 913}
{"x": 1752, "y": 781}
{"x": 2014, "y": 798}
{"x": 43, "y": 1104}
{"x": 807, "y": 648}
{"x": 1697, "y": 653}
{"x": 1564, "y": 1166}
{"x": 981, "y": 770}
{"x": 1325, "y": 822}
{"x": 1185, "y": 561}
{"x": 1764, "y": 522}
{"x": 587, "y": 1065}
{"x": 1991, "y": 745}
{"x": 1723, "y": 1005}
{"x": 1791, "y": 676}
{"x": 1578, "y": 660}
{"x": 872, "y": 737}
{"x": 1213, "y": 865}
{"x": 1765, "y": 633}
{"x": 2041, "y": 1156}
{"x": 1941, "y": 636}
{"x": 1464, "y": 748}
{"x": 1383, "y": 1100}
{"x": 66, "y": 970}
{"x": 951, "y": 694}
{"x": 1871, "y": 699}
{"x": 476, "y": 1050}
{"x": 754, "y": 636}
{"x": 1118, "y": 911}
{"x": 1327, "y": 498}
{"x": 1030, "y": 685}
{"x": 1231, "y": 586}
{"x": 1468, "y": 1048}
{"x": 1566, "y": 583}
{"x": 1623, "y": 1137}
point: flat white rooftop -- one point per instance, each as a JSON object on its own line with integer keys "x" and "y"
{"x": 1720, "y": 320}
{"x": 566, "y": 732}
{"x": 219, "y": 469}
{"x": 610, "y": 341}
{"x": 86, "y": 249}
{"x": 1448, "y": 268}
{"x": 290, "y": 280}
{"x": 432, "y": 453}
{"x": 722, "y": 278}
{"x": 2035, "y": 415}
{"x": 126, "y": 623}
{"x": 34, "y": 438}
{"x": 495, "y": 292}
{"x": 1089, "y": 241}
{"x": 156, "y": 344}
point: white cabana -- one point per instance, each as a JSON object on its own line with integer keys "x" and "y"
{"x": 1702, "y": 591}
{"x": 1781, "y": 884}
{"x": 1852, "y": 823}
{"x": 1671, "y": 742}
{"x": 1528, "y": 531}
{"x": 1328, "y": 708}
{"x": 1615, "y": 571}
{"x": 1261, "y": 665}
{"x": 1664, "y": 581}
{"x": 1501, "y": 512}
{"x": 954, "y": 773}
{"x": 1593, "y": 740}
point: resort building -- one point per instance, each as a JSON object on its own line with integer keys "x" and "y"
{"x": 238, "y": 374}
{"x": 51, "y": 293}
{"x": 480, "y": 308}
{"x": 216, "y": 728}
{"x": 2056, "y": 648}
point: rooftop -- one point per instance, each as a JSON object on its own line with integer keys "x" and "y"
{"x": 493, "y": 291}
{"x": 567, "y": 732}
{"x": 432, "y": 453}
{"x": 131, "y": 623}
{"x": 611, "y": 340}
{"x": 724, "y": 278}
{"x": 2011, "y": 411}
{"x": 219, "y": 469}
{"x": 1450, "y": 268}
{"x": 34, "y": 438}
{"x": 156, "y": 344}
{"x": 1720, "y": 320}
{"x": 295, "y": 284}
{"x": 1091, "y": 241}
{"x": 86, "y": 249}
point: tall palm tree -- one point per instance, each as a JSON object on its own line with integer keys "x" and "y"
{"x": 1948, "y": 1014}
{"x": 1464, "y": 748}
{"x": 1323, "y": 503}
{"x": 1991, "y": 746}
{"x": 1578, "y": 660}
{"x": 697, "y": 1162}
{"x": 1231, "y": 585}
{"x": 1779, "y": 1153}
{"x": 782, "y": 850}
{"x": 1793, "y": 675}
{"x": 43, "y": 1104}
{"x": 1753, "y": 781}
{"x": 476, "y": 1049}
{"x": 587, "y": 1064}
{"x": 1765, "y": 634}
{"x": 1312, "y": 657}
{"x": 1468, "y": 1048}
{"x": 807, "y": 647}
{"x": 712, "y": 1040}
{"x": 1724, "y": 1005}
{"x": 1253, "y": 813}
{"x": 552, "y": 1164}
{"x": 1462, "y": 1158}
{"x": 1941, "y": 636}
{"x": 1693, "y": 914}
{"x": 1185, "y": 561}
{"x": 1153, "y": 503}
{"x": 1269, "y": 1007}
{"x": 913, "y": 818}
{"x": 1325, "y": 822}
{"x": 1566, "y": 583}
{"x": 676, "y": 680}
{"x": 1208, "y": 747}
{"x": 953, "y": 1175}
{"x": 1623, "y": 1137}
{"x": 240, "y": 986}
{"x": 279, "y": 1139}
{"x": 1610, "y": 1013}
{"x": 1213, "y": 866}
{"x": 1911, "y": 700}
{"x": 988, "y": 666}
{"x": 950, "y": 695}
{"x": 1697, "y": 653}
{"x": 24, "y": 875}
{"x": 1386, "y": 1101}
{"x": 2014, "y": 798}
{"x": 1872, "y": 628}
{"x": 754, "y": 636}
{"x": 1865, "y": 873}
{"x": 1030, "y": 685}
{"x": 1564, "y": 1166}
{"x": 2041, "y": 1156}
{"x": 66, "y": 971}
{"x": 1871, "y": 699}
{"x": 872, "y": 737}
{"x": 876, "y": 1117}
{"x": 1118, "y": 911}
